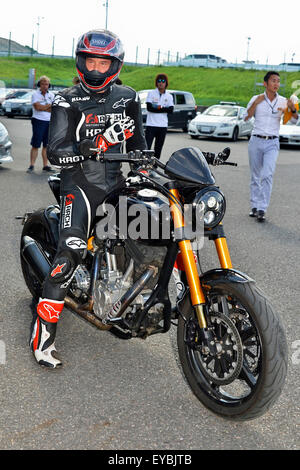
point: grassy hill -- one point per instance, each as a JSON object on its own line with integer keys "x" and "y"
{"x": 207, "y": 85}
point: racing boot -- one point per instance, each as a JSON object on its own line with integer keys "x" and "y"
{"x": 43, "y": 331}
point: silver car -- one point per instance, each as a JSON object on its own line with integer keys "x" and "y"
{"x": 19, "y": 105}
{"x": 224, "y": 120}
{"x": 5, "y": 145}
{"x": 289, "y": 134}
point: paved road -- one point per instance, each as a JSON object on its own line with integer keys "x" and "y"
{"x": 113, "y": 394}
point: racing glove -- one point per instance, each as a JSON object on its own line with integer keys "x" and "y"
{"x": 114, "y": 134}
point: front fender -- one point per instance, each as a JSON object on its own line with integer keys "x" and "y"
{"x": 212, "y": 279}
{"x": 226, "y": 276}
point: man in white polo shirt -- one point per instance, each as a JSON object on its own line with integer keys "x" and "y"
{"x": 159, "y": 104}
{"x": 263, "y": 149}
{"x": 41, "y": 112}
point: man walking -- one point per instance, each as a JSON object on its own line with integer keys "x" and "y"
{"x": 263, "y": 149}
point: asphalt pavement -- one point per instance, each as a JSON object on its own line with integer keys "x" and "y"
{"x": 129, "y": 395}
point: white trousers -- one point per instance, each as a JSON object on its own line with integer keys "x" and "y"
{"x": 262, "y": 161}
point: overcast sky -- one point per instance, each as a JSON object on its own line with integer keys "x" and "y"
{"x": 179, "y": 26}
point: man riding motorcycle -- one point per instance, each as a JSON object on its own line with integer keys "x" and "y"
{"x": 95, "y": 113}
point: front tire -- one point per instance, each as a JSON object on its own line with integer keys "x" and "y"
{"x": 235, "y": 134}
{"x": 248, "y": 386}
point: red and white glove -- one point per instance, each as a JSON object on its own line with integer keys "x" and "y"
{"x": 116, "y": 133}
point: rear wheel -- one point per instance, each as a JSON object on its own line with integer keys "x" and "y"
{"x": 245, "y": 375}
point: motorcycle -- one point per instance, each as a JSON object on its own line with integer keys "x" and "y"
{"x": 230, "y": 343}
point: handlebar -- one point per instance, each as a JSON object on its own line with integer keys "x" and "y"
{"x": 145, "y": 157}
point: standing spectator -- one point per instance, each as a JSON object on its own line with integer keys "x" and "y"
{"x": 263, "y": 149}
{"x": 41, "y": 111}
{"x": 159, "y": 104}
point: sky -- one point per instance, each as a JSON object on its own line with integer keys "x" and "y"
{"x": 162, "y": 28}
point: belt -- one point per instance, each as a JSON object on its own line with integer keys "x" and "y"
{"x": 266, "y": 137}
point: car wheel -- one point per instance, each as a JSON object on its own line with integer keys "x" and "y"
{"x": 194, "y": 137}
{"x": 235, "y": 134}
{"x": 185, "y": 128}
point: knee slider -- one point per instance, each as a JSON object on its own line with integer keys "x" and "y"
{"x": 63, "y": 267}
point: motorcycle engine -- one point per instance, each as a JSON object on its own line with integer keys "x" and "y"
{"x": 108, "y": 290}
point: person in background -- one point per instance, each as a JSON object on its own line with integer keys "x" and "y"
{"x": 159, "y": 104}
{"x": 41, "y": 111}
{"x": 263, "y": 149}
{"x": 75, "y": 80}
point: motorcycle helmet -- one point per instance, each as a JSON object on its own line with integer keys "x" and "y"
{"x": 101, "y": 44}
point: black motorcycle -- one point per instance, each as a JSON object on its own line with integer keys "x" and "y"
{"x": 231, "y": 345}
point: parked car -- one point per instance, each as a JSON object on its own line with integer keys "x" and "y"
{"x": 223, "y": 120}
{"x": 19, "y": 104}
{"x": 5, "y": 145}
{"x": 4, "y": 94}
{"x": 289, "y": 133}
{"x": 184, "y": 108}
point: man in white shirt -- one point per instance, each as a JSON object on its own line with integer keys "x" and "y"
{"x": 263, "y": 149}
{"x": 41, "y": 112}
{"x": 159, "y": 104}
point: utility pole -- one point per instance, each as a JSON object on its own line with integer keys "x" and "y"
{"x": 38, "y": 32}
{"x": 53, "y": 42}
{"x": 106, "y": 12}
{"x": 248, "y": 44}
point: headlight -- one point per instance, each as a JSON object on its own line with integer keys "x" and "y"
{"x": 213, "y": 203}
{"x": 226, "y": 125}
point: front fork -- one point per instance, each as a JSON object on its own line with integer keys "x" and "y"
{"x": 189, "y": 263}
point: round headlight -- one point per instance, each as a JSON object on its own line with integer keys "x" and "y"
{"x": 213, "y": 206}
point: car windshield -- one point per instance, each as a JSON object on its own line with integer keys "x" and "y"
{"x": 17, "y": 94}
{"x": 26, "y": 96}
{"x": 290, "y": 123}
{"x": 227, "y": 111}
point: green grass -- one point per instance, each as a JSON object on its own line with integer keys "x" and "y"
{"x": 207, "y": 85}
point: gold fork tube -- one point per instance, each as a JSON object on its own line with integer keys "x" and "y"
{"x": 196, "y": 292}
{"x": 223, "y": 253}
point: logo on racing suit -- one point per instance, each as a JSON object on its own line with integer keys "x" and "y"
{"x": 122, "y": 102}
{"x": 95, "y": 123}
{"x": 60, "y": 101}
{"x": 81, "y": 98}
{"x": 58, "y": 269}
{"x": 92, "y": 119}
{"x": 67, "y": 216}
{"x": 76, "y": 243}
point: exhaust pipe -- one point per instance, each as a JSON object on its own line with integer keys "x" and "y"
{"x": 40, "y": 264}
{"x": 35, "y": 257}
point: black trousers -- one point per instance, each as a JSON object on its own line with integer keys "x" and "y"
{"x": 157, "y": 133}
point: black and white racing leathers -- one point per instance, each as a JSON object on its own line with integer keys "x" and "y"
{"x": 109, "y": 120}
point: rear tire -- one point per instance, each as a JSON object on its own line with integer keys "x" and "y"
{"x": 258, "y": 381}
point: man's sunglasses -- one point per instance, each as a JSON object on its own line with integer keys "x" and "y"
{"x": 161, "y": 80}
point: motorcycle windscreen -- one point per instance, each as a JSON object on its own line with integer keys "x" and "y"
{"x": 189, "y": 164}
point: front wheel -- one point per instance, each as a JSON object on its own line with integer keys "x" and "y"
{"x": 245, "y": 374}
